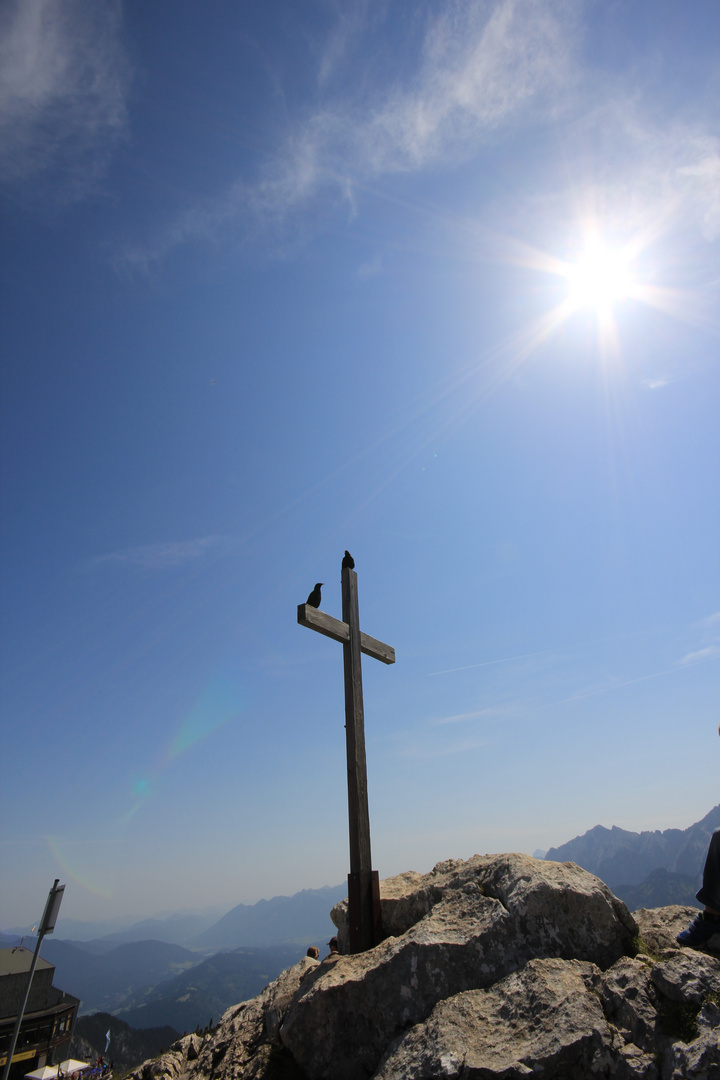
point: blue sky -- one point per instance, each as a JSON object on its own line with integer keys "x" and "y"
{"x": 437, "y": 283}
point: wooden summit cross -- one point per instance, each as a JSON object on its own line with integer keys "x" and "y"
{"x": 363, "y": 886}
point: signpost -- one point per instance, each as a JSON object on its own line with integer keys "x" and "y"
{"x": 47, "y": 925}
{"x": 363, "y": 887}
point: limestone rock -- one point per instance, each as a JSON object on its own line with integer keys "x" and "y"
{"x": 493, "y": 1032}
{"x": 561, "y": 1019}
{"x": 629, "y": 1001}
{"x": 502, "y": 966}
{"x": 483, "y": 919}
{"x": 659, "y": 927}
{"x": 193, "y": 1047}
{"x": 688, "y": 977}
{"x": 527, "y": 888}
{"x": 697, "y": 1058}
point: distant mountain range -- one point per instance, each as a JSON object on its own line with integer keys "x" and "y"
{"x": 174, "y": 929}
{"x": 300, "y": 919}
{"x": 655, "y": 868}
{"x": 104, "y": 982}
{"x": 659, "y": 889}
{"x": 154, "y": 983}
{"x": 283, "y": 920}
{"x": 202, "y": 994}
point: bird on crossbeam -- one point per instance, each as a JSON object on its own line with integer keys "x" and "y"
{"x": 315, "y": 596}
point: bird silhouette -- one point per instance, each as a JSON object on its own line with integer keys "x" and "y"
{"x": 315, "y": 596}
{"x": 348, "y": 562}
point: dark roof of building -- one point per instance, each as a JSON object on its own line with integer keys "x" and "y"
{"x": 15, "y": 961}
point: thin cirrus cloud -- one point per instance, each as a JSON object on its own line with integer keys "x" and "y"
{"x": 477, "y": 71}
{"x": 709, "y": 634}
{"x": 64, "y": 80}
{"x": 480, "y": 66}
{"x": 710, "y": 652}
{"x": 703, "y": 178}
{"x": 425, "y": 752}
{"x": 164, "y": 556}
{"x": 481, "y": 69}
{"x": 501, "y": 711}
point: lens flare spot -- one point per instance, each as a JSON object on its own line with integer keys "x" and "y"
{"x": 71, "y": 870}
{"x": 140, "y": 786}
{"x": 219, "y": 703}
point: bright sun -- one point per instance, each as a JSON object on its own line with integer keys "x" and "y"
{"x": 600, "y": 277}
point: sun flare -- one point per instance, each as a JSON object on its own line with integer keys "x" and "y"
{"x": 599, "y": 278}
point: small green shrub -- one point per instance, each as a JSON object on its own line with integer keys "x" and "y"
{"x": 679, "y": 1020}
{"x": 638, "y": 944}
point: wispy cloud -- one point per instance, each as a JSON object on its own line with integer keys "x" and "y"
{"x": 480, "y": 69}
{"x": 703, "y": 177}
{"x": 64, "y": 78}
{"x": 477, "y": 714}
{"x": 708, "y": 639}
{"x": 489, "y": 663}
{"x": 481, "y": 65}
{"x": 164, "y": 556}
{"x": 351, "y": 20}
{"x": 710, "y": 652}
{"x": 426, "y": 752}
{"x": 595, "y": 691}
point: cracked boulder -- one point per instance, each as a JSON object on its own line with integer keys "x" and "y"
{"x": 500, "y": 967}
{"x": 545, "y": 1020}
{"x": 463, "y": 926}
{"x": 566, "y": 1018}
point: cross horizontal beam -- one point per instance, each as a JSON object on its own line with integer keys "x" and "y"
{"x": 340, "y": 631}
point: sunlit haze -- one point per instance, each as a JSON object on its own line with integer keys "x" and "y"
{"x": 434, "y": 282}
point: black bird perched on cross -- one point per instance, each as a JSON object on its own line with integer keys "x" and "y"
{"x": 315, "y": 596}
{"x": 348, "y": 562}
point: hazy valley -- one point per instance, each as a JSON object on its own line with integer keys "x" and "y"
{"x": 149, "y": 989}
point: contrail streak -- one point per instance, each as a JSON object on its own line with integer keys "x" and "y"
{"x": 489, "y": 663}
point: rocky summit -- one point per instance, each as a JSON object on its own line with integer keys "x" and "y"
{"x": 503, "y": 966}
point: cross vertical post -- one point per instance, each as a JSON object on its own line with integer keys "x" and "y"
{"x": 363, "y": 899}
{"x": 364, "y": 922}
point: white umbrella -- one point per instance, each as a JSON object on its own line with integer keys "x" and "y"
{"x": 72, "y": 1066}
{"x": 48, "y": 1072}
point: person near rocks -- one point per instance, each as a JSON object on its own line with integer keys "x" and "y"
{"x": 707, "y": 922}
{"x": 333, "y": 946}
{"x": 314, "y": 952}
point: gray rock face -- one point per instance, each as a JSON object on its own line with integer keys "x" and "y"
{"x": 568, "y": 1019}
{"x": 503, "y": 966}
{"x": 558, "y": 905}
{"x": 660, "y": 926}
{"x": 493, "y": 1033}
{"x": 463, "y": 926}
